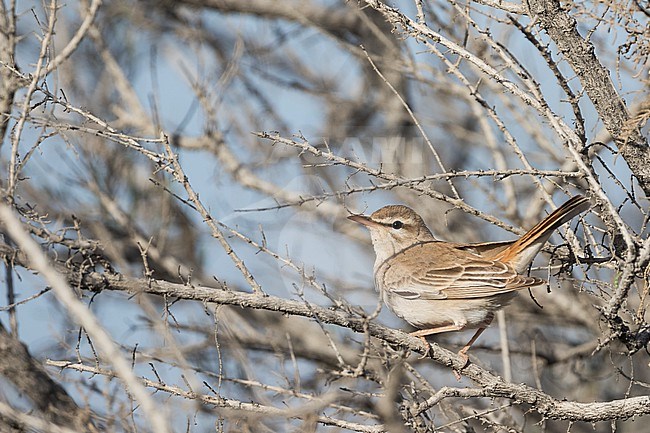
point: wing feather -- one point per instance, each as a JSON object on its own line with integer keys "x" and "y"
{"x": 438, "y": 270}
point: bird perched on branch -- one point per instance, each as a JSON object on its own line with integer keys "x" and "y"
{"x": 443, "y": 286}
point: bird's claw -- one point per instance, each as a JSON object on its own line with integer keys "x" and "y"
{"x": 427, "y": 353}
{"x": 465, "y": 359}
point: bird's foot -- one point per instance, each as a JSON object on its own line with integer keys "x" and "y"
{"x": 464, "y": 357}
{"x": 428, "y": 351}
{"x": 465, "y": 361}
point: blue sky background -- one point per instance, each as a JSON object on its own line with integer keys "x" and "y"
{"x": 160, "y": 75}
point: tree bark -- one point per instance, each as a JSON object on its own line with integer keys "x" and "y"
{"x": 580, "y": 54}
{"x": 32, "y": 380}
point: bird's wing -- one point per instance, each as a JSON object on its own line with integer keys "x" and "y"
{"x": 441, "y": 270}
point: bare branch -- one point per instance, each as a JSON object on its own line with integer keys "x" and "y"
{"x": 65, "y": 294}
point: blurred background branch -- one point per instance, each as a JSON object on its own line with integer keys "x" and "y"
{"x": 187, "y": 166}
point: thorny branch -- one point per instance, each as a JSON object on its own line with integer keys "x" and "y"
{"x": 132, "y": 153}
{"x": 491, "y": 386}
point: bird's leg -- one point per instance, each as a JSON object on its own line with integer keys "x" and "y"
{"x": 463, "y": 352}
{"x": 439, "y": 329}
{"x": 423, "y": 332}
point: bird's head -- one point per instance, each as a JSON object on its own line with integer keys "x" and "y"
{"x": 394, "y": 228}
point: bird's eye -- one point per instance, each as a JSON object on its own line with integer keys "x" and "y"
{"x": 398, "y": 225}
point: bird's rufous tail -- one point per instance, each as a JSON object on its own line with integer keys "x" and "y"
{"x": 535, "y": 238}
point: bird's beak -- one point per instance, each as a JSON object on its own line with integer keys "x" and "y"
{"x": 365, "y": 220}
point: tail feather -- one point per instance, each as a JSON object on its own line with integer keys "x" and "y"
{"x": 539, "y": 234}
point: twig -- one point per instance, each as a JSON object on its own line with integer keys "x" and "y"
{"x": 84, "y": 317}
{"x": 181, "y": 178}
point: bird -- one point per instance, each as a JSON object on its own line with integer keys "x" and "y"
{"x": 439, "y": 286}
